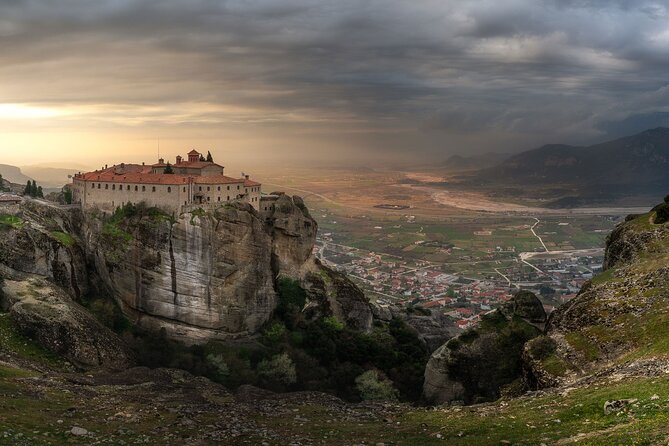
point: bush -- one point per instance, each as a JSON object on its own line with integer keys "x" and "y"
{"x": 278, "y": 371}
{"x": 292, "y": 298}
{"x": 371, "y": 387}
{"x": 218, "y": 362}
{"x": 541, "y": 348}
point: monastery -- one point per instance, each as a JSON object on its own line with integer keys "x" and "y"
{"x": 193, "y": 182}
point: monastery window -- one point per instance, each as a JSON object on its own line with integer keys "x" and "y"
{"x": 228, "y": 187}
{"x": 219, "y": 188}
{"x": 208, "y": 188}
{"x": 106, "y": 186}
{"x": 153, "y": 189}
{"x": 169, "y": 189}
{"x": 99, "y": 185}
{"x": 143, "y": 188}
{"x": 228, "y": 197}
{"x": 113, "y": 187}
{"x": 219, "y": 199}
{"x": 128, "y": 187}
{"x": 208, "y": 198}
{"x": 136, "y": 188}
{"x": 200, "y": 188}
{"x": 184, "y": 189}
{"x": 238, "y": 187}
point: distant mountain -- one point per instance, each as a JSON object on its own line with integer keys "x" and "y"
{"x": 13, "y": 174}
{"x": 633, "y": 165}
{"x": 49, "y": 176}
{"x": 457, "y": 163}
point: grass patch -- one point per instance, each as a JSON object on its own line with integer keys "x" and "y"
{"x": 582, "y": 344}
{"x": 11, "y": 220}
{"x": 554, "y": 365}
{"x": 63, "y": 238}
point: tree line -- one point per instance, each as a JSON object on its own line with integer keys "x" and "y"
{"x": 33, "y": 190}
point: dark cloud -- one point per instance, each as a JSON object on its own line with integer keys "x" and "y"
{"x": 528, "y": 69}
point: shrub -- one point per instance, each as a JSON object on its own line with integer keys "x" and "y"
{"x": 278, "y": 371}
{"x": 371, "y": 387}
{"x": 274, "y": 333}
{"x": 333, "y": 323}
{"x": 218, "y": 362}
{"x": 542, "y": 347}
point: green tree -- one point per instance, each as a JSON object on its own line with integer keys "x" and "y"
{"x": 280, "y": 370}
{"x": 33, "y": 189}
{"x": 168, "y": 169}
{"x": 209, "y": 157}
{"x": 202, "y": 158}
{"x": 29, "y": 188}
{"x": 40, "y": 192}
{"x": 371, "y": 387}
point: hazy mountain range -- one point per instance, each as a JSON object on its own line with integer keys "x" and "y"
{"x": 46, "y": 176}
{"x": 636, "y": 165}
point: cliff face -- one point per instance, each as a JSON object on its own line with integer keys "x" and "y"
{"x": 203, "y": 275}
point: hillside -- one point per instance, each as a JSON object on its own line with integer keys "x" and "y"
{"x": 460, "y": 163}
{"x": 13, "y": 174}
{"x": 631, "y": 166}
{"x": 597, "y": 373}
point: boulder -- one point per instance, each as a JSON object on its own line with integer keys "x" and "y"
{"x": 46, "y": 314}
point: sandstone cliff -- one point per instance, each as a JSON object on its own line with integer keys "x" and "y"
{"x": 206, "y": 274}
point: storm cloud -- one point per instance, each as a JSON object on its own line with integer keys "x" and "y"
{"x": 432, "y": 77}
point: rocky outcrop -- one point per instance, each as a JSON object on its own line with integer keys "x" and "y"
{"x": 617, "y": 313}
{"x": 48, "y": 315}
{"x": 475, "y": 365}
{"x": 293, "y": 233}
{"x": 43, "y": 242}
{"x": 204, "y": 275}
{"x": 331, "y": 293}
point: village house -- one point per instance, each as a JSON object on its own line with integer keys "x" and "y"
{"x": 174, "y": 188}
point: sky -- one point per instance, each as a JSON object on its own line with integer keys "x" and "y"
{"x": 318, "y": 82}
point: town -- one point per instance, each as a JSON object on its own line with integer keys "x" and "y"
{"x": 456, "y": 289}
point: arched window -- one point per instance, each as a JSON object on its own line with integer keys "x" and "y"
{"x": 113, "y": 187}
{"x": 99, "y": 185}
{"x": 200, "y": 188}
{"x": 128, "y": 187}
{"x": 143, "y": 188}
{"x": 238, "y": 187}
{"x": 153, "y": 189}
{"x": 184, "y": 189}
{"x": 106, "y": 186}
{"x": 169, "y": 189}
{"x": 208, "y": 188}
{"x": 219, "y": 199}
{"x": 219, "y": 188}
{"x": 136, "y": 188}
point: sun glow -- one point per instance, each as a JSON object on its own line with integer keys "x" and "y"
{"x": 21, "y": 111}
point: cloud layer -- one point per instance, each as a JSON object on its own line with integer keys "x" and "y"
{"x": 443, "y": 75}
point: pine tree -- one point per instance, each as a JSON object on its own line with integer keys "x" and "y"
{"x": 210, "y": 158}
{"x": 39, "y": 193}
{"x": 28, "y": 189}
{"x": 202, "y": 158}
{"x": 33, "y": 189}
{"x": 168, "y": 169}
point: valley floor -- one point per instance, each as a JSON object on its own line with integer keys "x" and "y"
{"x": 171, "y": 407}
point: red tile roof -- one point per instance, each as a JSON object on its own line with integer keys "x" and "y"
{"x": 193, "y": 152}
